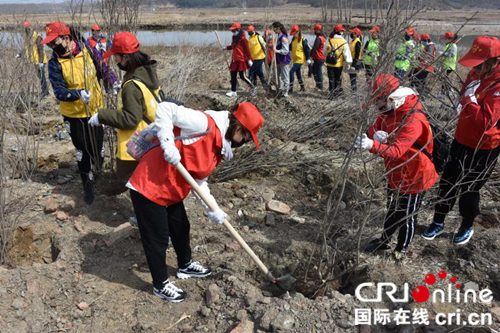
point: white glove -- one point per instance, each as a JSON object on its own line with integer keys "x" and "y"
{"x": 171, "y": 154}
{"x": 309, "y": 62}
{"x": 85, "y": 95}
{"x": 223, "y": 48}
{"x": 348, "y": 67}
{"x": 94, "y": 120}
{"x": 18, "y": 55}
{"x": 363, "y": 142}
{"x": 250, "y": 63}
{"x": 218, "y": 216}
{"x": 41, "y": 65}
{"x": 381, "y": 136}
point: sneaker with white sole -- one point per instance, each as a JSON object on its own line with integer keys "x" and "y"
{"x": 432, "y": 231}
{"x": 170, "y": 292}
{"x": 193, "y": 269}
{"x": 463, "y": 236}
{"x": 232, "y": 94}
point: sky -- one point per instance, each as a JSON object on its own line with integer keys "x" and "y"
{"x": 29, "y": 1}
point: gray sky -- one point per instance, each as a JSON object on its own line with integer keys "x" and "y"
{"x": 29, "y": 1}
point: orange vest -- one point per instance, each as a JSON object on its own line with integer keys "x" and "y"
{"x": 160, "y": 182}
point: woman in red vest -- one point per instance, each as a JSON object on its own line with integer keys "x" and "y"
{"x": 157, "y": 189}
{"x": 318, "y": 55}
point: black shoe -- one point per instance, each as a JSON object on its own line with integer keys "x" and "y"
{"x": 170, "y": 292}
{"x": 302, "y": 88}
{"x": 377, "y": 245}
{"x": 193, "y": 269}
{"x": 88, "y": 192}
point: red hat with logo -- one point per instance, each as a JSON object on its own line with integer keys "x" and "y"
{"x": 123, "y": 43}
{"x": 448, "y": 35}
{"x": 410, "y": 31}
{"x": 318, "y": 26}
{"x": 383, "y": 86}
{"x": 356, "y": 31}
{"x": 425, "y": 37}
{"x": 374, "y": 29}
{"x": 95, "y": 27}
{"x": 54, "y": 30}
{"x": 27, "y": 24}
{"x": 338, "y": 28}
{"x": 483, "y": 48}
{"x": 249, "y": 116}
{"x": 236, "y": 25}
{"x": 250, "y": 28}
{"x": 295, "y": 29}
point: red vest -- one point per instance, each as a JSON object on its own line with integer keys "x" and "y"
{"x": 160, "y": 182}
{"x": 319, "y": 54}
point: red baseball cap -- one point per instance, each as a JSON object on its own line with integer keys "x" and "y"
{"x": 410, "y": 31}
{"x": 416, "y": 36}
{"x": 123, "y": 43}
{"x": 338, "y": 28}
{"x": 383, "y": 86}
{"x": 236, "y": 25}
{"x": 356, "y": 31}
{"x": 95, "y": 27}
{"x": 267, "y": 32}
{"x": 250, "y": 28}
{"x": 249, "y": 116}
{"x": 374, "y": 29}
{"x": 483, "y": 48}
{"x": 27, "y": 24}
{"x": 54, "y": 30}
{"x": 425, "y": 37}
{"x": 448, "y": 35}
{"x": 295, "y": 29}
{"x": 318, "y": 26}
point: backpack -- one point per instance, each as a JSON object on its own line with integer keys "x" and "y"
{"x": 442, "y": 144}
{"x": 331, "y": 57}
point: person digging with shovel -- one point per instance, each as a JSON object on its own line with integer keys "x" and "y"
{"x": 200, "y": 140}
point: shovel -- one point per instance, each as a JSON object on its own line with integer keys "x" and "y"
{"x": 284, "y": 283}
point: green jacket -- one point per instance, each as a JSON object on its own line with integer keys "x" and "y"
{"x": 371, "y": 51}
{"x": 450, "y": 56}
{"x": 404, "y": 55}
{"x": 133, "y": 101}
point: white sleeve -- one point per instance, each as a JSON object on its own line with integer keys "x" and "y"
{"x": 204, "y": 187}
{"x": 169, "y": 115}
{"x": 347, "y": 54}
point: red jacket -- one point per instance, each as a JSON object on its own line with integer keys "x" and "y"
{"x": 241, "y": 50}
{"x": 478, "y": 124}
{"x": 409, "y": 171}
{"x": 160, "y": 182}
{"x": 319, "y": 53}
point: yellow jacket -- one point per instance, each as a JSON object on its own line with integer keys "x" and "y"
{"x": 298, "y": 55}
{"x": 257, "y": 46}
{"x": 31, "y": 48}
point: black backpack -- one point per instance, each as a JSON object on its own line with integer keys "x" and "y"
{"x": 331, "y": 57}
{"x": 442, "y": 144}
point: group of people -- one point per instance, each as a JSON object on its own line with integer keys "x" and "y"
{"x": 200, "y": 140}
{"x": 415, "y": 57}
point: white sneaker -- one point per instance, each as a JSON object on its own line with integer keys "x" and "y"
{"x": 170, "y": 292}
{"x": 194, "y": 269}
{"x": 232, "y": 94}
{"x": 254, "y": 91}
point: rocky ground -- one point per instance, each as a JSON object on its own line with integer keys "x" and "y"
{"x": 79, "y": 268}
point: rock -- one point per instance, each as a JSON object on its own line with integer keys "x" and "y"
{"x": 270, "y": 219}
{"x": 240, "y": 194}
{"x": 205, "y": 312}
{"x": 266, "y": 300}
{"x": 79, "y": 226}
{"x": 82, "y": 306}
{"x": 268, "y": 195}
{"x": 342, "y": 205}
{"x": 17, "y": 303}
{"x": 212, "y": 294}
{"x": 323, "y": 316}
{"x": 298, "y": 219}
{"x": 61, "y": 216}
{"x": 278, "y": 207}
{"x": 123, "y": 231}
{"x": 50, "y": 206}
{"x": 245, "y": 326}
{"x": 68, "y": 206}
{"x": 267, "y": 317}
{"x": 232, "y": 247}
{"x": 241, "y": 315}
{"x": 496, "y": 313}
{"x": 283, "y": 322}
{"x": 245, "y": 229}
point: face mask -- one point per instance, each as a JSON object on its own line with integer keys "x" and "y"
{"x": 353, "y": 36}
{"x": 425, "y": 42}
{"x": 120, "y": 66}
{"x": 60, "y": 50}
{"x": 251, "y": 33}
{"x": 407, "y": 37}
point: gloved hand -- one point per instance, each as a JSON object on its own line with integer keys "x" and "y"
{"x": 171, "y": 154}
{"x": 218, "y": 216}
{"x": 85, "y": 96}
{"x": 348, "y": 67}
{"x": 309, "y": 61}
{"x": 363, "y": 142}
{"x": 41, "y": 65}
{"x": 250, "y": 63}
{"x": 18, "y": 55}
{"x": 94, "y": 120}
{"x": 116, "y": 87}
{"x": 223, "y": 48}
{"x": 381, "y": 136}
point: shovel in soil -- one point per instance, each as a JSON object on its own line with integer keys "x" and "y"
{"x": 284, "y": 283}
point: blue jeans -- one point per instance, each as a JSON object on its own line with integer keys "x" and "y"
{"x": 257, "y": 70}
{"x": 296, "y": 68}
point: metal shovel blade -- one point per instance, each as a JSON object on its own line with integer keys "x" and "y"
{"x": 286, "y": 283}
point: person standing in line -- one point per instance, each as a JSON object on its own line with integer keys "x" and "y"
{"x": 427, "y": 58}
{"x": 241, "y": 59}
{"x": 337, "y": 44}
{"x": 258, "y": 50}
{"x": 299, "y": 49}
{"x": 448, "y": 60}
{"x": 318, "y": 55}
{"x": 357, "y": 54}
{"x": 476, "y": 146}
{"x": 36, "y": 55}
{"x": 404, "y": 55}
{"x": 283, "y": 58}
{"x": 371, "y": 52}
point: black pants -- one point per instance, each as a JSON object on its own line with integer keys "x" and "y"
{"x": 88, "y": 142}
{"x": 402, "y": 210}
{"x": 257, "y": 71}
{"x": 242, "y": 76}
{"x": 354, "y": 81}
{"x": 369, "y": 71}
{"x": 464, "y": 175}
{"x": 419, "y": 82}
{"x": 157, "y": 223}
{"x": 317, "y": 70}
{"x": 445, "y": 85}
{"x": 334, "y": 79}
